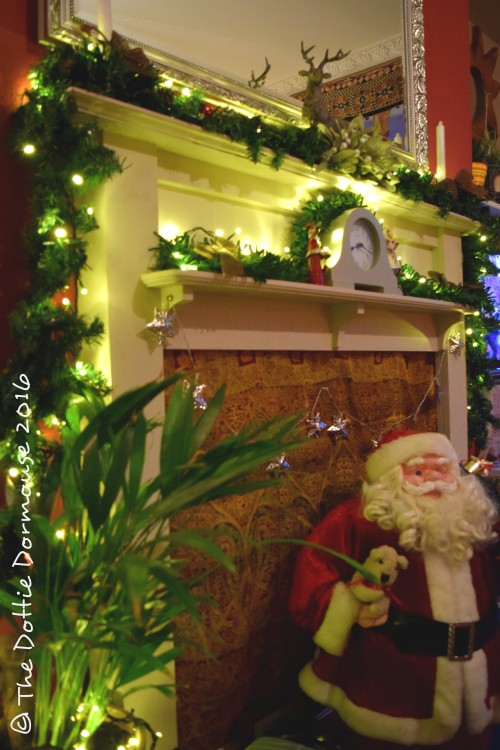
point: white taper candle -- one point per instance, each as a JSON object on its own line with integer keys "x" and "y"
{"x": 104, "y": 22}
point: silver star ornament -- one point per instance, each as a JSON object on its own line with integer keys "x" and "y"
{"x": 316, "y": 425}
{"x": 163, "y": 325}
{"x": 456, "y": 343}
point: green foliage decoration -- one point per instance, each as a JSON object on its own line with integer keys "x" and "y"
{"x": 181, "y": 252}
{"x": 110, "y": 579}
{"x": 360, "y": 151}
{"x": 66, "y": 159}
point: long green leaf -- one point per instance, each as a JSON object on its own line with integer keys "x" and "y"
{"x": 114, "y": 480}
{"x": 114, "y": 416}
{"x": 90, "y": 478}
{"x": 199, "y": 539}
{"x": 137, "y": 455}
{"x": 206, "y": 422}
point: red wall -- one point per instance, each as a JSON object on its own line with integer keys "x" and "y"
{"x": 448, "y": 89}
{"x": 446, "y": 32}
{"x": 19, "y": 51}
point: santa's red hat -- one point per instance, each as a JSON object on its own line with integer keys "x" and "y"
{"x": 399, "y": 446}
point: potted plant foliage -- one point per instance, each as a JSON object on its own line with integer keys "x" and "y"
{"x": 104, "y": 573}
{"x": 485, "y": 154}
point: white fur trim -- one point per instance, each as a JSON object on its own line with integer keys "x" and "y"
{"x": 439, "y": 728}
{"x": 451, "y": 589}
{"x": 453, "y": 599}
{"x": 403, "y": 449}
{"x": 477, "y": 715}
{"x": 333, "y": 633}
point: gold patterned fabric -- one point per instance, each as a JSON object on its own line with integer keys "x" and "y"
{"x": 367, "y": 92}
{"x": 256, "y": 652}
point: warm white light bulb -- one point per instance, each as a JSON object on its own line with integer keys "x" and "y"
{"x": 168, "y": 231}
{"x": 84, "y": 290}
{"x": 61, "y": 534}
{"x": 77, "y": 179}
{"x": 61, "y": 232}
{"x": 186, "y": 91}
{"x": 66, "y": 302}
{"x": 219, "y": 233}
{"x": 90, "y": 211}
{"x": 29, "y": 149}
{"x": 13, "y": 472}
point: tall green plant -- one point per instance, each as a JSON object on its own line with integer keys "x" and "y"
{"x": 107, "y": 573}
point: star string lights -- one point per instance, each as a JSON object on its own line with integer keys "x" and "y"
{"x": 163, "y": 324}
{"x": 456, "y": 344}
{"x": 338, "y": 427}
{"x": 316, "y": 425}
{"x": 279, "y": 465}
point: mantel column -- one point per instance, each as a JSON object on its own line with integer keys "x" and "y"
{"x": 126, "y": 209}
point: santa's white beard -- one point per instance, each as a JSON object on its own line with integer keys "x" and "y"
{"x": 452, "y": 524}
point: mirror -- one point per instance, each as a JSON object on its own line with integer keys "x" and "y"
{"x": 216, "y": 47}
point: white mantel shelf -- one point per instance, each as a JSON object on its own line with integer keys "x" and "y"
{"x": 182, "y": 286}
{"x": 239, "y": 313}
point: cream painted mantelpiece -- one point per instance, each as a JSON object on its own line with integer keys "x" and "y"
{"x": 176, "y": 174}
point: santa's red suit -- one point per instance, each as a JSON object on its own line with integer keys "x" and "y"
{"x": 400, "y": 682}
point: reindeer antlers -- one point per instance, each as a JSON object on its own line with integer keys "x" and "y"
{"x": 255, "y": 83}
{"x": 339, "y": 56}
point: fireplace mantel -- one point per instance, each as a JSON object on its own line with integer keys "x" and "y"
{"x": 223, "y": 312}
{"x": 177, "y": 173}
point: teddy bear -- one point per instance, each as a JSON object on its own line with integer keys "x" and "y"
{"x": 384, "y": 563}
{"x": 361, "y": 600}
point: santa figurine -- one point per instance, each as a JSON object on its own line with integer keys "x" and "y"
{"x": 314, "y": 256}
{"x": 425, "y": 673}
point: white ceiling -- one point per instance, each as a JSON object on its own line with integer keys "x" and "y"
{"x": 235, "y": 37}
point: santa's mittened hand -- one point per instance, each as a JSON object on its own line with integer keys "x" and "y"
{"x": 373, "y": 615}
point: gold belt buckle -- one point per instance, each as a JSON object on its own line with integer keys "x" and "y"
{"x": 452, "y": 628}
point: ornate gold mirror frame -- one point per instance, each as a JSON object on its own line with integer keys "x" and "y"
{"x": 58, "y": 21}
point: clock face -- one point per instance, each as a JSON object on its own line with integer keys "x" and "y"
{"x": 362, "y": 243}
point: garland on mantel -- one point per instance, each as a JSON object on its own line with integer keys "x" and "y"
{"x": 68, "y": 159}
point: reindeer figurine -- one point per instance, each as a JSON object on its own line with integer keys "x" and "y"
{"x": 256, "y": 83}
{"x": 314, "y": 110}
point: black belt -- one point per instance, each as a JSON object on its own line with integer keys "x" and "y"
{"x": 457, "y": 640}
